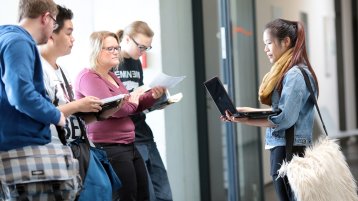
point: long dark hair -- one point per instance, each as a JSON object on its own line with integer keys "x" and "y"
{"x": 281, "y": 29}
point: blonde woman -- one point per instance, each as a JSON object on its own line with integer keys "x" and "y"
{"x": 115, "y": 135}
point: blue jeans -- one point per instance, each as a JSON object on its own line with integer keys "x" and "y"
{"x": 158, "y": 182}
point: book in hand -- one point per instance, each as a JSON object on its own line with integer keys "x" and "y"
{"x": 112, "y": 102}
{"x": 164, "y": 101}
{"x": 107, "y": 104}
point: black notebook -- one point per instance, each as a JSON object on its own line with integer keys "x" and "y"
{"x": 107, "y": 104}
{"x": 112, "y": 102}
{"x": 224, "y": 103}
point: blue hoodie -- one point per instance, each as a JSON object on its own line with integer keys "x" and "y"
{"x": 25, "y": 110}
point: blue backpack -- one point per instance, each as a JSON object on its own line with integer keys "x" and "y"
{"x": 100, "y": 178}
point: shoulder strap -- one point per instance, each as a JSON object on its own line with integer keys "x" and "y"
{"x": 68, "y": 87}
{"x": 60, "y": 130}
{"x": 313, "y": 97}
{"x": 289, "y": 136}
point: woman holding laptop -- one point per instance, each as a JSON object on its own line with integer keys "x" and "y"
{"x": 284, "y": 88}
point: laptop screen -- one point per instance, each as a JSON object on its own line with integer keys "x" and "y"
{"x": 220, "y": 96}
{"x": 224, "y": 103}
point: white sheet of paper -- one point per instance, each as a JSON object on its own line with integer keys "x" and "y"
{"x": 165, "y": 80}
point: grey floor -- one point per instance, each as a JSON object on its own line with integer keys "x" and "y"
{"x": 350, "y": 150}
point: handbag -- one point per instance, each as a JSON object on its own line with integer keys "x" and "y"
{"x": 322, "y": 174}
{"x": 98, "y": 175}
{"x": 46, "y": 172}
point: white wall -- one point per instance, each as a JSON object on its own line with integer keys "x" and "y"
{"x": 8, "y": 12}
{"x": 181, "y": 128}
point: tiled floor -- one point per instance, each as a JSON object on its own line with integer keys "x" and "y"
{"x": 349, "y": 148}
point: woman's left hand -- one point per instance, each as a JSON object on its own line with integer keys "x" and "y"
{"x": 261, "y": 122}
{"x": 228, "y": 117}
{"x": 88, "y": 104}
{"x": 157, "y": 92}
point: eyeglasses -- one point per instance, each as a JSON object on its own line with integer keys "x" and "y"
{"x": 112, "y": 49}
{"x": 142, "y": 48}
{"x": 55, "y": 24}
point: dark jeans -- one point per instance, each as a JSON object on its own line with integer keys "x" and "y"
{"x": 158, "y": 182}
{"x": 130, "y": 168}
{"x": 282, "y": 187}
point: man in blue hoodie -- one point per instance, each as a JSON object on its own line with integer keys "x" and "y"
{"x": 26, "y": 111}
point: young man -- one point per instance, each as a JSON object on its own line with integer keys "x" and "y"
{"x": 136, "y": 38}
{"x": 57, "y": 84}
{"x": 59, "y": 88}
{"x": 26, "y": 112}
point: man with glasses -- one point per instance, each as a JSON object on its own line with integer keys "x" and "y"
{"x": 26, "y": 111}
{"x": 136, "y": 38}
{"x": 55, "y": 25}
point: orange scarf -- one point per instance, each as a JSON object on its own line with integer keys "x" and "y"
{"x": 270, "y": 80}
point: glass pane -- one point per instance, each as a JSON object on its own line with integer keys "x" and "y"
{"x": 245, "y": 74}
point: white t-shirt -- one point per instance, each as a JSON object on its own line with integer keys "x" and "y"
{"x": 56, "y": 90}
{"x": 54, "y": 83}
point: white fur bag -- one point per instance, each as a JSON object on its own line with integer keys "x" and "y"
{"x": 321, "y": 175}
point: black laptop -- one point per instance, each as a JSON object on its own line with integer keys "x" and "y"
{"x": 224, "y": 103}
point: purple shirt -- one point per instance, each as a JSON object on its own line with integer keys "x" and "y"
{"x": 119, "y": 128}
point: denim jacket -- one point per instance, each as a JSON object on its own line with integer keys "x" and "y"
{"x": 297, "y": 109}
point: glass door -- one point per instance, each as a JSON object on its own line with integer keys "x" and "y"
{"x": 239, "y": 73}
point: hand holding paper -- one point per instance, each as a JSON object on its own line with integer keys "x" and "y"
{"x": 158, "y": 92}
{"x": 164, "y": 101}
{"x": 165, "y": 81}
